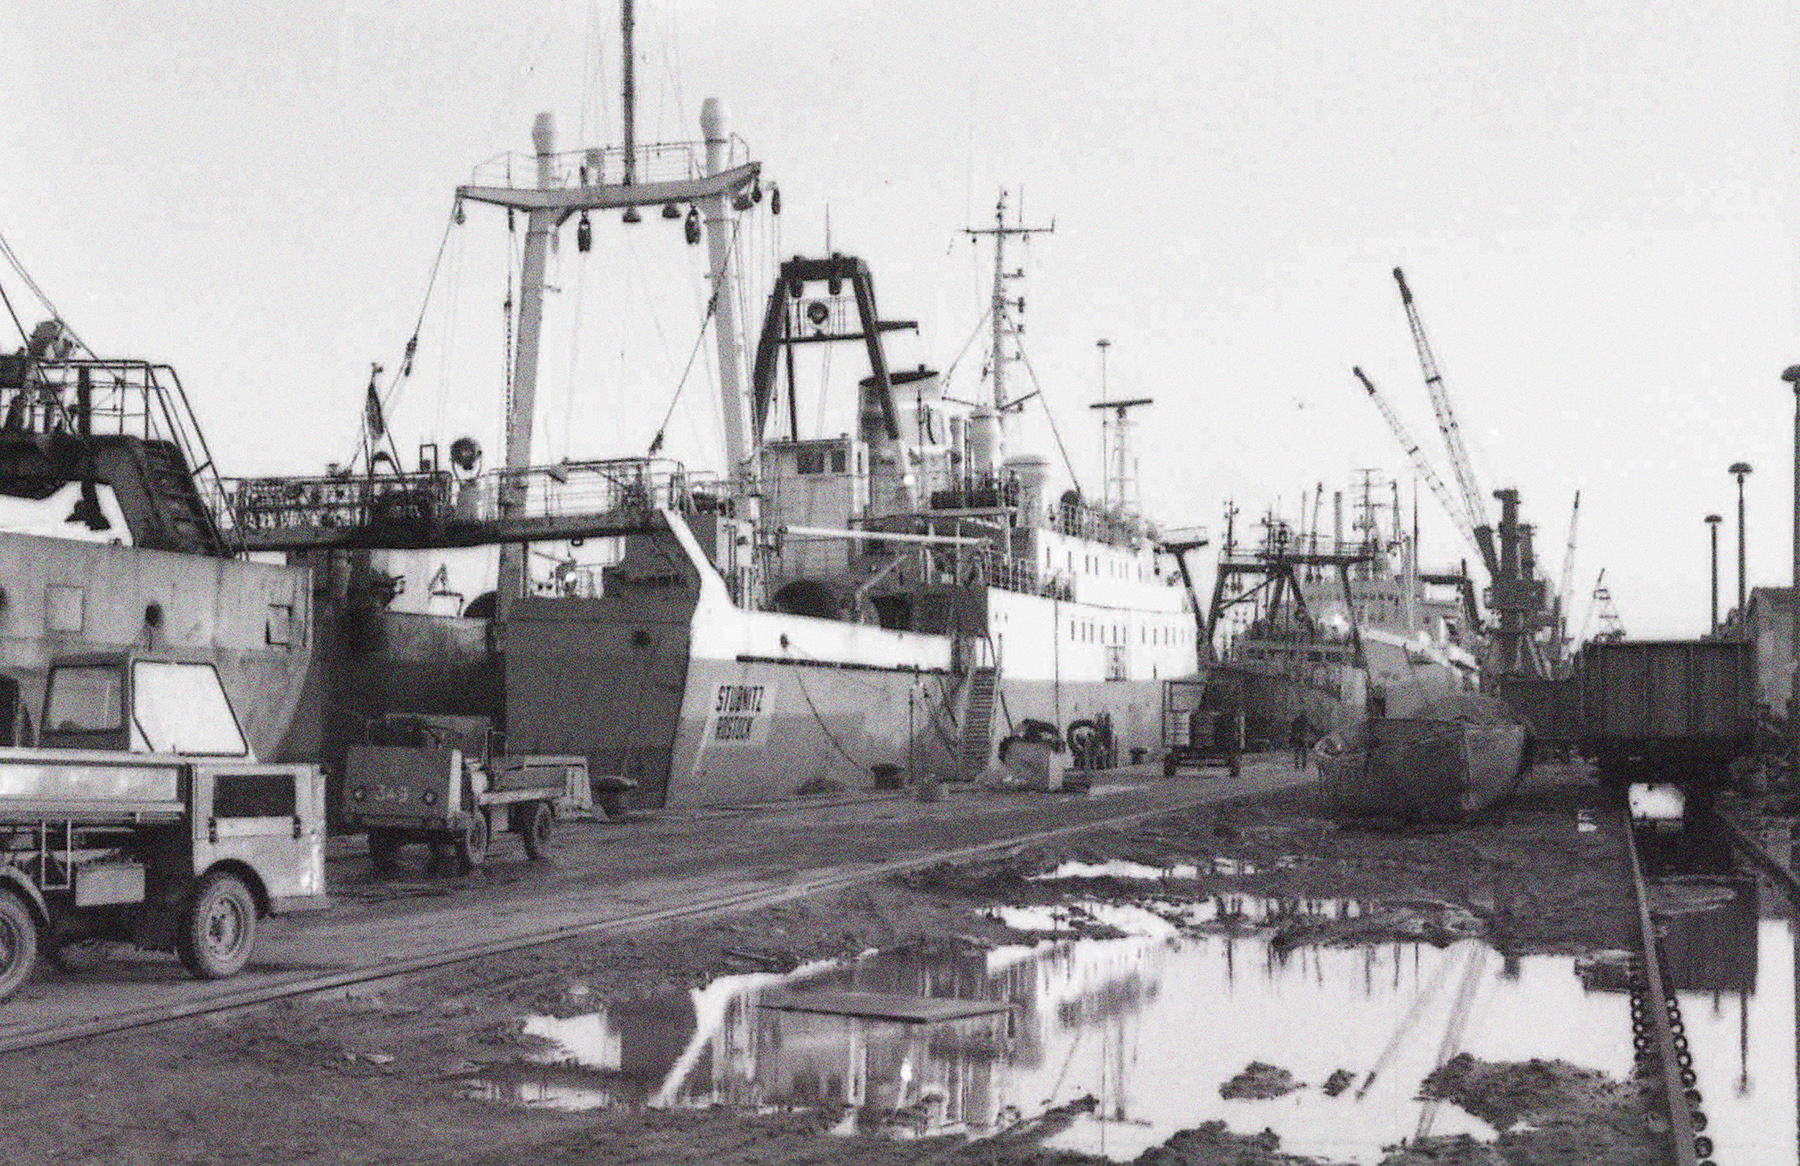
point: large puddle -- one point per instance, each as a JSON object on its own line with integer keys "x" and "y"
{"x": 1151, "y": 1023}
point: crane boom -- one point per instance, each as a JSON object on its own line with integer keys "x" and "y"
{"x": 1446, "y": 418}
{"x": 1563, "y": 595}
{"x": 1457, "y": 514}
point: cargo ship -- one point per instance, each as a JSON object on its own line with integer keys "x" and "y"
{"x": 1338, "y": 629}
{"x": 824, "y": 610}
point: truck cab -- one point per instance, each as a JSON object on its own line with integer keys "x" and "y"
{"x": 142, "y": 816}
{"x": 134, "y": 704}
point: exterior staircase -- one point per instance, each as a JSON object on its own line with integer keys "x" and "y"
{"x": 176, "y": 497}
{"x": 978, "y": 722}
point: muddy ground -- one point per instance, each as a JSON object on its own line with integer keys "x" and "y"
{"x": 379, "y": 1078}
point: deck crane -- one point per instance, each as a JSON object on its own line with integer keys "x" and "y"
{"x": 1475, "y": 507}
{"x": 1422, "y": 465}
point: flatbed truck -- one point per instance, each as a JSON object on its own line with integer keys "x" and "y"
{"x": 141, "y": 816}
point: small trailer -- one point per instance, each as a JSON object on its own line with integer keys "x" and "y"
{"x": 141, "y": 816}
{"x": 442, "y": 780}
{"x": 1202, "y": 727}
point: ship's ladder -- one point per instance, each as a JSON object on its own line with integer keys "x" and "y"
{"x": 977, "y": 721}
{"x": 175, "y": 495}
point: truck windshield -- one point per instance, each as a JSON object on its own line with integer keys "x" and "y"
{"x": 181, "y": 708}
{"x": 85, "y": 700}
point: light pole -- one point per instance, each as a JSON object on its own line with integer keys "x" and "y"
{"x": 1712, "y": 522}
{"x": 1742, "y": 471}
{"x": 1791, "y": 374}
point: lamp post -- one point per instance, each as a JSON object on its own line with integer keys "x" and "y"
{"x": 1712, "y": 522}
{"x": 1791, "y": 375}
{"x": 1742, "y": 471}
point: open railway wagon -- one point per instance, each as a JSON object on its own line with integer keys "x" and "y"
{"x": 1202, "y": 726}
{"x": 1667, "y": 710}
{"x": 142, "y": 817}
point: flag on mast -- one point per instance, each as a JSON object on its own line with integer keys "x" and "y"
{"x": 372, "y": 418}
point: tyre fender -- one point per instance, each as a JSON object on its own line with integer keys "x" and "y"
{"x": 245, "y": 875}
{"x": 13, "y": 879}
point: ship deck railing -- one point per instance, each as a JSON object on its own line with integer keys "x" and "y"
{"x": 431, "y": 507}
{"x": 651, "y": 162}
{"x": 109, "y": 397}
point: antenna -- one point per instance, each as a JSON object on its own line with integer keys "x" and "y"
{"x": 1121, "y": 476}
{"x": 1001, "y": 322}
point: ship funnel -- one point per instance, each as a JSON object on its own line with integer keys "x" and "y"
{"x": 1030, "y": 471}
{"x": 713, "y": 119}
{"x": 984, "y": 441}
{"x": 543, "y": 133}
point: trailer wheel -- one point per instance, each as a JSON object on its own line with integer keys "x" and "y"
{"x": 535, "y": 824}
{"x": 18, "y": 943}
{"x": 219, "y": 928}
{"x": 472, "y": 843}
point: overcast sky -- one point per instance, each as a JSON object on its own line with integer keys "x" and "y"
{"x": 1590, "y": 202}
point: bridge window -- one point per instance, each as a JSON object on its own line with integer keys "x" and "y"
{"x": 809, "y": 460}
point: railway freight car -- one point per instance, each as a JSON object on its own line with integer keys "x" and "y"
{"x": 1667, "y": 710}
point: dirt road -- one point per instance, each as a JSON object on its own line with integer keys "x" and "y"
{"x": 384, "y": 1074}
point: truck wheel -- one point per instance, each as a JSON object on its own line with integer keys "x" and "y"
{"x": 383, "y": 843}
{"x": 219, "y": 928}
{"x": 535, "y": 825}
{"x": 18, "y": 943}
{"x": 472, "y": 843}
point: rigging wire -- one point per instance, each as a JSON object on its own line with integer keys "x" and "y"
{"x": 32, "y": 284}
{"x": 1050, "y": 417}
{"x": 656, "y": 441}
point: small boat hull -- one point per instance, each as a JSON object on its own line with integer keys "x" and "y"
{"x": 1419, "y": 769}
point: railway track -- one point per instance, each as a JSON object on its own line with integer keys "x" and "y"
{"x": 227, "y": 996}
{"x": 1658, "y": 1037}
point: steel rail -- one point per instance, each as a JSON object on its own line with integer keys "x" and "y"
{"x": 1681, "y": 1121}
{"x": 837, "y": 879}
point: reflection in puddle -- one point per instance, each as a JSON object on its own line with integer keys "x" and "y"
{"x": 1150, "y": 1024}
{"x": 1144, "y": 872}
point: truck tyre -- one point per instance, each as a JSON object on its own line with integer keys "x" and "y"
{"x": 219, "y": 927}
{"x": 18, "y": 943}
{"x": 535, "y": 823}
{"x": 382, "y": 845}
{"x": 472, "y": 843}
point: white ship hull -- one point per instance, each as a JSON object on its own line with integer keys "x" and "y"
{"x": 703, "y": 702}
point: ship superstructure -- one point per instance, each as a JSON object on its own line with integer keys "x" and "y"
{"x": 1337, "y": 628}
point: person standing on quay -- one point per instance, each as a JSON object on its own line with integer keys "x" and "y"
{"x": 1300, "y": 737}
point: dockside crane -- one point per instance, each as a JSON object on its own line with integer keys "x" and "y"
{"x": 1564, "y": 597}
{"x": 1421, "y": 464}
{"x": 1515, "y": 592}
{"x": 1611, "y": 626}
{"x": 1474, "y": 506}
